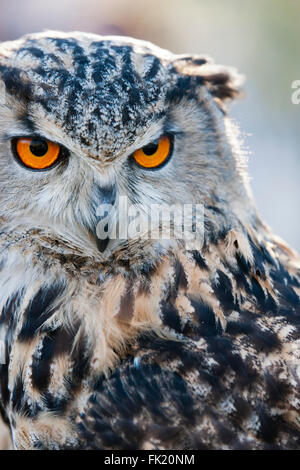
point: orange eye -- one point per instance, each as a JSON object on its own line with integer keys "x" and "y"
{"x": 154, "y": 155}
{"x": 37, "y": 153}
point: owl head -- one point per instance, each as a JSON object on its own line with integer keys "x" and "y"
{"x": 88, "y": 122}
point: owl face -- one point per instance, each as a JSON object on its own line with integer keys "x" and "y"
{"x": 87, "y": 120}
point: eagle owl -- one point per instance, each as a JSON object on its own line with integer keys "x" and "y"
{"x": 137, "y": 342}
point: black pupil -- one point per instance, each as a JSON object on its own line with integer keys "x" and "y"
{"x": 38, "y": 147}
{"x": 150, "y": 149}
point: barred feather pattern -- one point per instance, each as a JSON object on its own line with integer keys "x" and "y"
{"x": 200, "y": 351}
{"x": 147, "y": 344}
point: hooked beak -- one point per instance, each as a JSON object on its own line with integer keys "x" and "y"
{"x": 104, "y": 200}
{"x": 102, "y": 244}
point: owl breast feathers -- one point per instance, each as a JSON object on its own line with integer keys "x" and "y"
{"x": 152, "y": 339}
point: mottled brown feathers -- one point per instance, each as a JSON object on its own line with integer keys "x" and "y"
{"x": 215, "y": 335}
{"x": 147, "y": 343}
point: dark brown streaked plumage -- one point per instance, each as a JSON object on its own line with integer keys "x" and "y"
{"x": 148, "y": 344}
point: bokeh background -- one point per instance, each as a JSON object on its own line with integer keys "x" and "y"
{"x": 260, "y": 37}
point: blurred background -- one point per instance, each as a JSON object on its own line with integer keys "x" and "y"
{"x": 261, "y": 38}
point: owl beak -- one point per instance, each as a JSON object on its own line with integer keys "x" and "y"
{"x": 104, "y": 200}
{"x": 102, "y": 244}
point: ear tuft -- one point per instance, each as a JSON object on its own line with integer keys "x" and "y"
{"x": 223, "y": 82}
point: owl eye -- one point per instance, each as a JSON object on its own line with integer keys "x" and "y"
{"x": 155, "y": 154}
{"x": 36, "y": 153}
